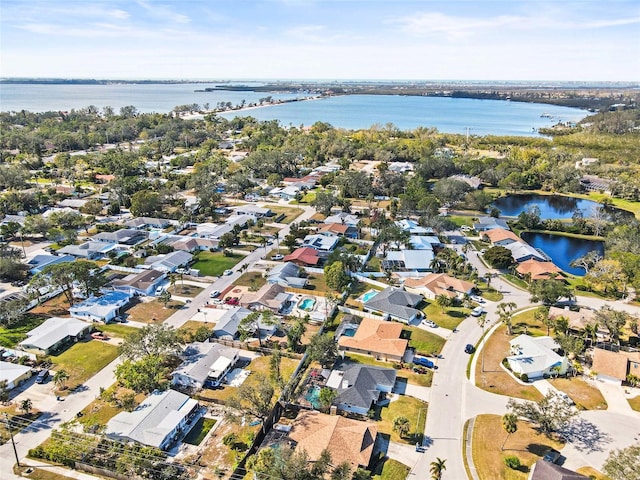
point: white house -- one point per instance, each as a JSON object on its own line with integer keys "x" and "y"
{"x": 203, "y": 364}
{"x": 321, "y": 243}
{"x": 14, "y": 374}
{"x": 521, "y": 252}
{"x": 101, "y": 309}
{"x": 158, "y": 421}
{"x": 536, "y": 356}
{"x": 54, "y": 334}
{"x": 408, "y": 260}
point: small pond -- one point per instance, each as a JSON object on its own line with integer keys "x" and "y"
{"x": 551, "y": 206}
{"x": 562, "y": 250}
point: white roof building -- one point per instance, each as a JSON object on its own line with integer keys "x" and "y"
{"x": 13, "y": 373}
{"x": 321, "y": 243}
{"x": 54, "y": 332}
{"x": 535, "y": 356}
{"x": 523, "y": 251}
{"x": 408, "y": 260}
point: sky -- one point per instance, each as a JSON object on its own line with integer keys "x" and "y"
{"x": 560, "y": 40}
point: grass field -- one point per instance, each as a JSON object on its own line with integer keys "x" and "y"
{"x": 117, "y": 330}
{"x": 423, "y": 341}
{"x": 290, "y": 213}
{"x": 83, "y": 360}
{"x": 214, "y": 264}
{"x": 450, "y": 318}
{"x": 199, "y": 431}
{"x": 526, "y": 444}
{"x": 10, "y": 337}
{"x": 249, "y": 279}
{"x": 584, "y": 395}
{"x": 416, "y": 412}
{"x": 180, "y": 290}
{"x": 389, "y": 469}
{"x": 153, "y": 311}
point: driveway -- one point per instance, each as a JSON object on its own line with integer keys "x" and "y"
{"x": 614, "y": 395}
{"x": 401, "y": 452}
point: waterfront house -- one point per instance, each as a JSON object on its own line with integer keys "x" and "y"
{"x": 536, "y": 356}
{"x": 396, "y": 304}
{"x": 204, "y": 364}
{"x": 499, "y": 237}
{"x": 434, "y": 284}
{"x": 521, "y": 252}
{"x": 536, "y": 270}
{"x": 55, "y": 334}
{"x": 490, "y": 223}
{"x": 101, "y": 309}
{"x": 360, "y": 387}
{"x": 377, "y": 338}
{"x": 158, "y": 421}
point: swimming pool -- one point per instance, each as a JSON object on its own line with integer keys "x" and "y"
{"x": 369, "y": 295}
{"x": 313, "y": 396}
{"x": 349, "y": 332}
{"x": 307, "y": 304}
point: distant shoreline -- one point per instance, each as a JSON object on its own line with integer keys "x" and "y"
{"x": 201, "y": 115}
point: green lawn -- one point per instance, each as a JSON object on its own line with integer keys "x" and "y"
{"x": 83, "y": 360}
{"x": 214, "y": 264}
{"x": 518, "y": 282}
{"x": 389, "y": 469}
{"x": 460, "y": 220}
{"x": 450, "y": 318}
{"x": 409, "y": 407}
{"x": 199, "y": 431}
{"x": 420, "y": 379}
{"x": 423, "y": 341}
{"x": 117, "y": 329}
{"x": 10, "y": 337}
{"x": 492, "y": 295}
{"x": 248, "y": 279}
{"x": 290, "y": 213}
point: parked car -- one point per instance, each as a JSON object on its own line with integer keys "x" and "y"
{"x": 552, "y": 456}
{"x": 42, "y": 376}
{"x": 477, "y": 299}
{"x": 429, "y": 323}
{"x": 232, "y": 300}
{"x": 218, "y": 301}
{"x": 99, "y": 336}
{"x": 228, "y": 272}
{"x": 469, "y": 348}
{"x": 214, "y": 294}
{"x": 425, "y": 362}
{"x": 277, "y": 257}
{"x": 476, "y": 312}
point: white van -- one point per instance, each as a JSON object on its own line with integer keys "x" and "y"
{"x": 159, "y": 290}
{"x": 476, "y": 312}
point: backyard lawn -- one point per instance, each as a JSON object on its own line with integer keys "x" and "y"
{"x": 251, "y": 279}
{"x": 389, "y": 469}
{"x": 494, "y": 379}
{"x": 10, "y": 337}
{"x": 83, "y": 360}
{"x": 424, "y": 342}
{"x": 415, "y": 410}
{"x": 54, "y": 307}
{"x": 199, "y": 431}
{"x": 450, "y": 318}
{"x": 152, "y": 311}
{"x": 117, "y": 330}
{"x": 290, "y": 213}
{"x": 316, "y": 282}
{"x": 526, "y": 444}
{"x": 214, "y": 264}
{"x": 585, "y": 396}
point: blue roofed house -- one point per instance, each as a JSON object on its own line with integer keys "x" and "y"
{"x": 160, "y": 420}
{"x": 204, "y": 364}
{"x": 359, "y": 387}
{"x": 55, "y": 334}
{"x": 101, "y": 309}
{"x": 287, "y": 275}
{"x": 40, "y": 262}
{"x": 395, "y": 303}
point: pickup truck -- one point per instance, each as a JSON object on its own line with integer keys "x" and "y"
{"x": 424, "y": 362}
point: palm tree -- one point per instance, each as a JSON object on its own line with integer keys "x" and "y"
{"x": 60, "y": 378}
{"x": 401, "y": 425}
{"x": 510, "y": 424}
{"x": 505, "y": 312}
{"x": 443, "y": 301}
{"x": 437, "y": 467}
{"x": 172, "y": 281}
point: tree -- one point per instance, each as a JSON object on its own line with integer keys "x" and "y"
{"x": 341, "y": 472}
{"x": 4, "y": 391}
{"x": 510, "y": 425}
{"x": 151, "y": 340}
{"x": 254, "y": 400}
{"x": 606, "y": 276}
{"x": 613, "y": 320}
{"x": 401, "y": 425}
{"x": 623, "y": 464}
{"x": 65, "y": 275}
{"x": 323, "y": 349}
{"x": 587, "y": 261}
{"x": 336, "y": 276}
{"x": 324, "y": 202}
{"x": 549, "y": 291}
{"x": 327, "y": 396}
{"x": 165, "y": 297}
{"x": 361, "y": 474}
{"x": 294, "y": 333}
{"x": 499, "y": 257}
{"x": 60, "y": 379}
{"x": 274, "y": 365}
{"x": 252, "y": 323}
{"x": 443, "y": 301}
{"x": 450, "y": 191}
{"x": 437, "y": 467}
{"x": 12, "y": 312}
{"x": 551, "y": 414}
{"x": 145, "y": 375}
{"x": 26, "y": 406}
{"x": 505, "y": 313}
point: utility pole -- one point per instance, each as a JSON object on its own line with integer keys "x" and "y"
{"x": 13, "y": 443}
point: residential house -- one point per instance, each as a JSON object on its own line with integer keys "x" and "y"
{"x": 124, "y": 236}
{"x": 472, "y": 181}
{"x": 304, "y": 256}
{"x": 141, "y": 223}
{"x": 413, "y": 227}
{"x": 536, "y": 356}
{"x": 14, "y": 374}
{"x": 396, "y": 304}
{"x": 254, "y": 211}
{"x": 499, "y": 237}
{"x": 423, "y": 242}
{"x": 204, "y": 364}
{"x": 321, "y": 243}
{"x": 347, "y": 440}
{"x": 88, "y": 250}
{"x": 145, "y": 282}
{"x": 227, "y": 326}
{"x": 434, "y": 284}
{"x": 490, "y": 223}
{"x": 270, "y": 297}
{"x": 360, "y": 387}
{"x": 338, "y": 230}
{"x": 75, "y": 203}
{"x": 578, "y": 320}
{"x": 408, "y": 260}
{"x": 286, "y": 193}
{"x": 192, "y": 244}
{"x": 287, "y": 275}
{"x": 55, "y": 334}
{"x": 213, "y": 230}
{"x": 536, "y": 270}
{"x": 400, "y": 167}
{"x": 613, "y": 367}
{"x": 343, "y": 219}
{"x": 377, "y": 338}
{"x": 40, "y": 262}
{"x": 169, "y": 262}
{"x": 157, "y": 422}
{"x": 101, "y": 309}
{"x": 586, "y": 162}
{"x": 543, "y": 470}
{"x": 521, "y": 252}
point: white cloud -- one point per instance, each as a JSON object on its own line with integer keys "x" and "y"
{"x": 426, "y": 24}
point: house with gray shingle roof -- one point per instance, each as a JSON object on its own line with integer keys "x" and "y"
{"x": 227, "y": 325}
{"x": 124, "y": 236}
{"x": 204, "y": 363}
{"x": 359, "y": 387}
{"x": 287, "y": 275}
{"x": 88, "y": 250}
{"x": 169, "y": 262}
{"x": 396, "y": 303}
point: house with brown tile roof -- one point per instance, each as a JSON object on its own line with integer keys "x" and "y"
{"x": 613, "y": 366}
{"x": 577, "y": 320}
{"x": 377, "y": 338}
{"x": 347, "y": 440}
{"x": 338, "y": 230}
{"x": 271, "y": 296}
{"x": 305, "y": 256}
{"x": 500, "y": 236}
{"x": 434, "y": 284}
{"x": 538, "y": 270}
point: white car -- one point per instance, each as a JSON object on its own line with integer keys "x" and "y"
{"x": 218, "y": 301}
{"x": 430, "y": 323}
{"x": 214, "y": 294}
{"x": 277, "y": 257}
{"x": 228, "y": 272}
{"x": 477, "y": 299}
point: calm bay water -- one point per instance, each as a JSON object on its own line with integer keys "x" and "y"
{"x": 552, "y": 206}
{"x": 449, "y": 115}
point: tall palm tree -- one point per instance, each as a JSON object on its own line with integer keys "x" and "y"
{"x": 510, "y": 424}
{"x": 505, "y": 312}
{"x": 437, "y": 467}
{"x": 60, "y": 378}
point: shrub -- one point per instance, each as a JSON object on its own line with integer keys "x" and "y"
{"x": 512, "y": 462}
{"x": 524, "y": 377}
